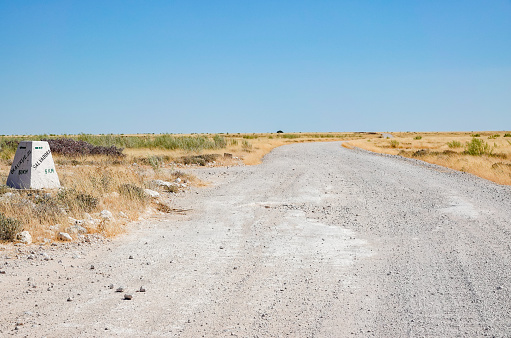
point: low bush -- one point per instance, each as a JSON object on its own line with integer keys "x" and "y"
{"x": 9, "y": 227}
{"x": 201, "y": 160}
{"x": 420, "y": 153}
{"x": 70, "y": 147}
{"x": 478, "y": 147}
{"x": 492, "y": 137}
{"x": 418, "y": 137}
{"x": 507, "y": 135}
{"x": 154, "y": 161}
{"x": 70, "y": 199}
{"x": 47, "y": 210}
{"x": 454, "y": 144}
{"x": 394, "y": 144}
{"x": 86, "y": 202}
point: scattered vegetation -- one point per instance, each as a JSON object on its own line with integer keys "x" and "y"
{"x": 457, "y": 150}
{"x": 394, "y": 144}
{"x": 418, "y": 137}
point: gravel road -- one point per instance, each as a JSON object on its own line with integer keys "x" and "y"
{"x": 318, "y": 241}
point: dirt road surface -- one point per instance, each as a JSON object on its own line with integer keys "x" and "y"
{"x": 318, "y": 241}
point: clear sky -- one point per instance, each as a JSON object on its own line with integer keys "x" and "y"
{"x": 254, "y": 66}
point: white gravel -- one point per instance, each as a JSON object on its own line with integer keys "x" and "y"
{"x": 317, "y": 241}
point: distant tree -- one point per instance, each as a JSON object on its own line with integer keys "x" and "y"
{"x": 280, "y": 132}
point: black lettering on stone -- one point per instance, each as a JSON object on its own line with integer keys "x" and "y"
{"x": 39, "y": 161}
{"x": 20, "y": 162}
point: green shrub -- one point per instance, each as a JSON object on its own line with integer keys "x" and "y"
{"x": 507, "y": 135}
{"x": 9, "y": 227}
{"x": 418, "y": 137}
{"x": 454, "y": 144}
{"x": 478, "y": 147}
{"x": 493, "y": 136}
{"x": 394, "y": 144}
{"x": 476, "y": 135}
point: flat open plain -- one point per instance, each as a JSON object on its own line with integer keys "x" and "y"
{"x": 317, "y": 241}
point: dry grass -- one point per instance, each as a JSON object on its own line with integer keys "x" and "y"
{"x": 442, "y": 149}
{"x": 89, "y": 189}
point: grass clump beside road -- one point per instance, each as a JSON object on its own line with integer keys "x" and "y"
{"x": 463, "y": 151}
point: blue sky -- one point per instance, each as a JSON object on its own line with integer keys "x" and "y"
{"x": 258, "y": 66}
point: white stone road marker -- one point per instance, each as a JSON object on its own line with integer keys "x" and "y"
{"x": 33, "y": 167}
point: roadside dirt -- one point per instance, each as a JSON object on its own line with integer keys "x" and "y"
{"x": 316, "y": 241}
